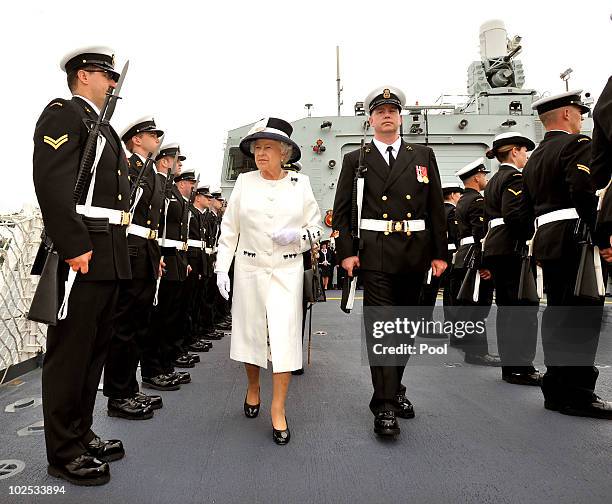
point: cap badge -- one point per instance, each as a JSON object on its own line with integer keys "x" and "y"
{"x": 113, "y": 60}
{"x": 386, "y": 93}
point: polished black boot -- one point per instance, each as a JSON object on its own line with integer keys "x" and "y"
{"x": 105, "y": 450}
{"x": 84, "y": 470}
{"x": 385, "y": 424}
{"x": 129, "y": 409}
{"x": 406, "y": 410}
{"x": 152, "y": 401}
{"x": 161, "y": 382}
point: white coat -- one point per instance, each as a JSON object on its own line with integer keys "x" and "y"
{"x": 268, "y": 277}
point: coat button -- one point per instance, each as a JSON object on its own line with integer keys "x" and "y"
{"x": 386, "y": 233}
{"x": 384, "y": 198}
{"x": 409, "y": 215}
{"x": 385, "y": 216}
{"x": 408, "y": 196}
{"x": 150, "y": 207}
{"x": 148, "y": 222}
{"x": 119, "y": 197}
{"x": 119, "y": 172}
{"x": 408, "y": 233}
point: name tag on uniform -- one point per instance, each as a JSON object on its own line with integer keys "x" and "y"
{"x": 421, "y": 173}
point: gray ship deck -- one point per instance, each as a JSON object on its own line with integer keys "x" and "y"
{"x": 474, "y": 438}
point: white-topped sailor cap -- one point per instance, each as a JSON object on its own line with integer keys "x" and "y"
{"x": 189, "y": 175}
{"x": 385, "y": 95}
{"x": 549, "y": 103}
{"x": 450, "y": 187}
{"x": 203, "y": 190}
{"x": 170, "y": 149}
{"x": 216, "y": 194}
{"x": 473, "y": 168}
{"x": 296, "y": 167}
{"x": 271, "y": 128}
{"x": 98, "y": 56}
{"x": 509, "y": 138}
{"x": 141, "y": 125}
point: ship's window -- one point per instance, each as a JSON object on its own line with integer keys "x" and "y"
{"x": 238, "y": 163}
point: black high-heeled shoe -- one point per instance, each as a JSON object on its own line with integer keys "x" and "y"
{"x": 281, "y": 437}
{"x": 252, "y": 410}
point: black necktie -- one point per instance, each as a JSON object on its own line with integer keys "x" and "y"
{"x": 391, "y": 158}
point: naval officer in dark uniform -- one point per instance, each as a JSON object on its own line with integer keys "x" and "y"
{"x": 470, "y": 220}
{"x": 601, "y": 168}
{"x": 509, "y": 229}
{"x": 451, "y": 193}
{"x": 403, "y": 233}
{"x": 131, "y": 324}
{"x": 77, "y": 345}
{"x": 559, "y": 192}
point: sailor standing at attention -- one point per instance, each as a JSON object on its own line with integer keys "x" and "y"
{"x": 403, "y": 234}
{"x": 559, "y": 192}
{"x": 78, "y": 344}
{"x": 509, "y": 229}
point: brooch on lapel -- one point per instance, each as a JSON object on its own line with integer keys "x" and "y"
{"x": 421, "y": 173}
{"x": 294, "y": 180}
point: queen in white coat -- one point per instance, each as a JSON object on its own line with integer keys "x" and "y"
{"x": 265, "y": 230}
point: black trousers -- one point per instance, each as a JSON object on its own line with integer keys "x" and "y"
{"x": 208, "y": 304}
{"x": 517, "y": 321}
{"x": 130, "y": 339}
{"x": 191, "y": 310}
{"x": 463, "y": 311}
{"x": 384, "y": 289}
{"x": 165, "y": 329}
{"x": 76, "y": 351}
{"x": 569, "y": 334}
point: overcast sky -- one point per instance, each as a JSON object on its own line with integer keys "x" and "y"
{"x": 204, "y": 69}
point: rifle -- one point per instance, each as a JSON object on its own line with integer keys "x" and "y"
{"x": 350, "y": 283}
{"x": 470, "y": 287}
{"x": 527, "y": 290}
{"x": 589, "y": 279}
{"x": 44, "y": 306}
{"x": 136, "y": 186}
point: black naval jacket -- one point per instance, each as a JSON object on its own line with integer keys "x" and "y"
{"x": 212, "y": 230}
{"x": 176, "y": 223}
{"x": 503, "y": 200}
{"x": 393, "y": 195}
{"x": 197, "y": 231}
{"x": 470, "y": 219}
{"x": 452, "y": 227}
{"x": 144, "y": 253}
{"x": 59, "y": 139}
{"x": 601, "y": 165}
{"x": 558, "y": 176}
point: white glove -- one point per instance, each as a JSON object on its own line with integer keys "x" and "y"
{"x": 286, "y": 236}
{"x": 223, "y": 284}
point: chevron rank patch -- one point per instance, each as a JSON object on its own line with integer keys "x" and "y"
{"x": 56, "y": 143}
{"x": 516, "y": 193}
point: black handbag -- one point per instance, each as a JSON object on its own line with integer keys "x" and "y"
{"x": 313, "y": 290}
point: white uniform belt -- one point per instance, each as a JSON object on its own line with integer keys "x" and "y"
{"x": 467, "y": 241}
{"x": 557, "y": 215}
{"x": 390, "y": 226}
{"x": 178, "y": 245}
{"x": 143, "y": 232}
{"x": 195, "y": 243}
{"x": 493, "y": 223}
{"x": 452, "y": 246}
{"x": 210, "y": 250}
{"x": 117, "y": 217}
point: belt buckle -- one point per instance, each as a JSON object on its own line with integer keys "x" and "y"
{"x": 125, "y": 218}
{"x": 405, "y": 226}
{"x": 389, "y": 228}
{"x": 185, "y": 246}
{"x": 398, "y": 226}
{"x": 152, "y": 234}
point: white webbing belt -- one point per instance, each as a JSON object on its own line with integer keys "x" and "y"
{"x": 493, "y": 223}
{"x": 168, "y": 243}
{"x": 116, "y": 217}
{"x": 468, "y": 240}
{"x": 196, "y": 243}
{"x": 390, "y": 226}
{"x": 452, "y": 246}
{"x": 143, "y": 232}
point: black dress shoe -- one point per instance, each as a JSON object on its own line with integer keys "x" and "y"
{"x": 281, "y": 437}
{"x": 385, "y": 424}
{"x": 181, "y": 377}
{"x": 199, "y": 346}
{"x": 183, "y": 362}
{"x": 483, "y": 360}
{"x": 597, "y": 409}
{"x": 195, "y": 358}
{"x": 129, "y": 409}
{"x": 298, "y": 372}
{"x": 153, "y": 401}
{"x": 224, "y": 327}
{"x": 105, "y": 450}
{"x": 406, "y": 410}
{"x": 534, "y": 379}
{"x": 215, "y": 336}
{"x": 84, "y": 470}
{"x": 252, "y": 410}
{"x": 160, "y": 382}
